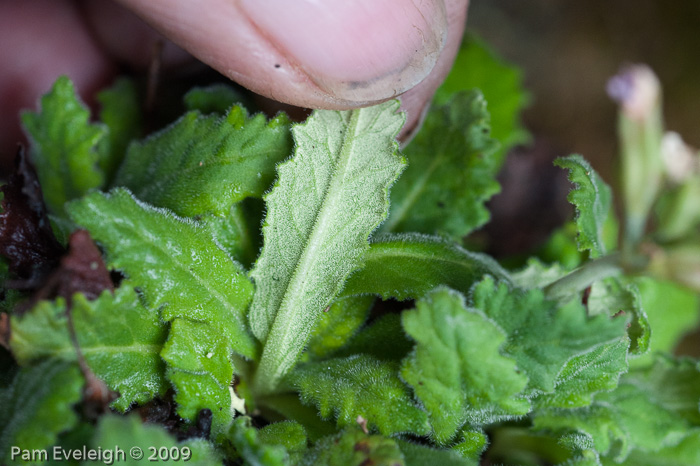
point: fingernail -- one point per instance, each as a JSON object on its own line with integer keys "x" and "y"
{"x": 355, "y": 50}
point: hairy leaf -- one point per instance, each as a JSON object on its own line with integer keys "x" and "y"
{"x": 451, "y": 172}
{"x": 684, "y": 453}
{"x": 422, "y": 455}
{"x": 352, "y": 447}
{"x": 176, "y": 264}
{"x": 289, "y": 434}
{"x": 405, "y": 266}
{"x": 477, "y": 66}
{"x": 217, "y": 98}
{"x": 64, "y": 146}
{"x": 205, "y": 164}
{"x": 37, "y": 406}
{"x": 360, "y": 385}
{"x": 338, "y": 324}
{"x": 457, "y": 370}
{"x": 199, "y": 366}
{"x": 593, "y": 201}
{"x": 120, "y": 339}
{"x": 246, "y": 443}
{"x": 238, "y": 231}
{"x": 541, "y": 337}
{"x": 291, "y": 407}
{"x": 327, "y": 201}
{"x": 651, "y": 409}
{"x": 384, "y": 339}
{"x": 121, "y": 113}
{"x": 129, "y": 434}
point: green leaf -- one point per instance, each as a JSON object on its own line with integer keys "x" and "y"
{"x": 586, "y": 374}
{"x": 289, "y": 434}
{"x": 238, "y": 231}
{"x": 383, "y": 339}
{"x": 247, "y": 444}
{"x": 200, "y": 368}
{"x": 121, "y": 112}
{"x": 217, "y": 98}
{"x": 176, "y": 264}
{"x": 205, "y": 164}
{"x": 471, "y": 445}
{"x": 354, "y": 448}
{"x": 405, "y": 266}
{"x": 120, "y": 339}
{"x": 421, "y": 455}
{"x": 542, "y": 337}
{"x": 651, "y": 409}
{"x": 360, "y": 385}
{"x": 290, "y": 407}
{"x": 64, "y": 146}
{"x": 456, "y": 363}
{"x": 37, "y": 406}
{"x": 327, "y": 201}
{"x": 477, "y": 66}
{"x": 593, "y": 201}
{"x": 128, "y": 434}
{"x": 338, "y": 324}
{"x": 451, "y": 171}
{"x": 684, "y": 453}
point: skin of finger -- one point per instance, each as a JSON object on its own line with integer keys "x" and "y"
{"x": 219, "y": 33}
{"x": 126, "y": 37}
{"x": 41, "y": 40}
{"x": 417, "y": 101}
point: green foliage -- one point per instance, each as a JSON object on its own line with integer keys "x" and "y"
{"x": 338, "y": 324}
{"x": 455, "y": 363}
{"x": 354, "y": 448}
{"x": 383, "y": 339}
{"x": 238, "y": 231}
{"x": 541, "y": 337}
{"x": 421, "y": 455}
{"x": 477, "y": 66}
{"x": 65, "y": 146}
{"x": 289, "y": 434}
{"x": 37, "y": 406}
{"x": 119, "y": 337}
{"x": 199, "y": 366}
{"x": 404, "y": 266}
{"x": 327, "y": 201}
{"x": 248, "y": 445}
{"x": 179, "y": 258}
{"x": 217, "y": 98}
{"x": 451, "y": 172}
{"x": 593, "y": 201}
{"x": 205, "y": 164}
{"x": 360, "y": 385}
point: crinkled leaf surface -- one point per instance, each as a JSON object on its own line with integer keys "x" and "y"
{"x": 121, "y": 113}
{"x": 204, "y": 164}
{"x": 451, "y": 171}
{"x": 37, "y": 406}
{"x": 405, "y": 266}
{"x": 127, "y": 432}
{"x": 476, "y": 66}
{"x": 593, "y": 201}
{"x": 457, "y": 369}
{"x": 64, "y": 146}
{"x": 176, "y": 264}
{"x": 360, "y": 385}
{"x": 338, "y": 324}
{"x": 289, "y": 434}
{"x": 471, "y": 444}
{"x": 541, "y": 336}
{"x": 119, "y": 337}
{"x": 199, "y": 363}
{"x": 327, "y": 201}
{"x": 651, "y": 409}
{"x": 352, "y": 447}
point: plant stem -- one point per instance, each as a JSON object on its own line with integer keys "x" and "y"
{"x": 584, "y": 276}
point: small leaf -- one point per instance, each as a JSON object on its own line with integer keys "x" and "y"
{"x": 37, "y": 406}
{"x": 121, "y": 113}
{"x": 457, "y": 370}
{"x": 120, "y": 339}
{"x": 477, "y": 66}
{"x": 289, "y": 434}
{"x": 355, "y": 448}
{"x": 238, "y": 231}
{"x": 542, "y": 337}
{"x": 405, "y": 266}
{"x": 217, "y": 98}
{"x": 684, "y": 453}
{"x": 246, "y": 442}
{"x": 422, "y": 455}
{"x": 383, "y": 339}
{"x": 205, "y": 164}
{"x": 327, "y": 201}
{"x": 593, "y": 201}
{"x": 339, "y": 324}
{"x": 65, "y": 146}
{"x": 201, "y": 370}
{"x": 360, "y": 385}
{"x": 451, "y": 171}
{"x": 177, "y": 264}
{"x": 471, "y": 444}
